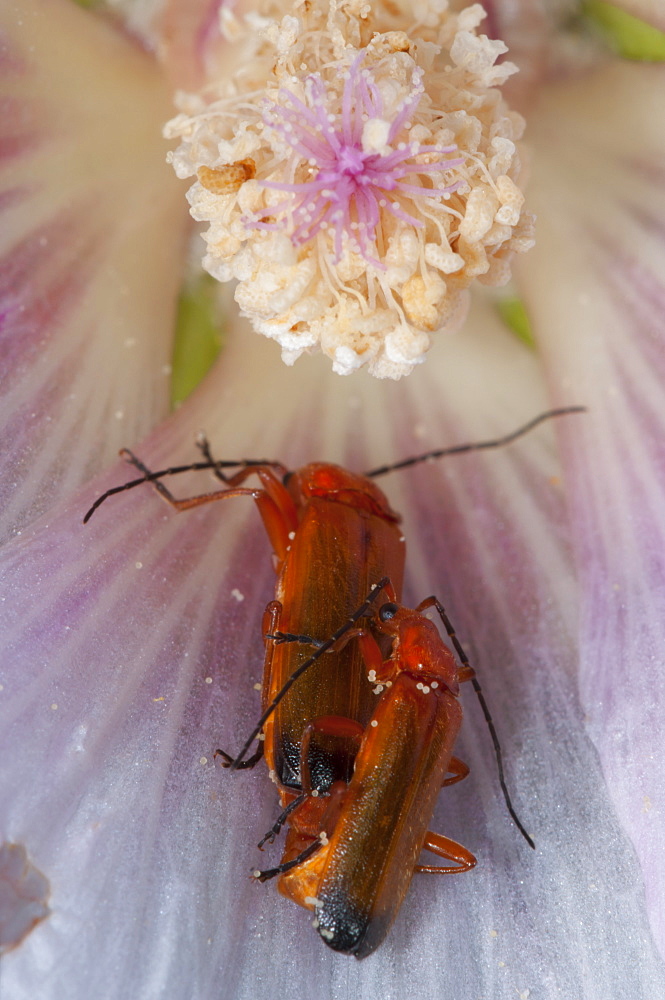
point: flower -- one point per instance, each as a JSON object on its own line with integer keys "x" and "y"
{"x": 374, "y": 180}
{"x": 552, "y": 575}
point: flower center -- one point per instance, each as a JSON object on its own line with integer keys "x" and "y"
{"x": 357, "y": 178}
{"x": 346, "y": 191}
{"x": 351, "y": 161}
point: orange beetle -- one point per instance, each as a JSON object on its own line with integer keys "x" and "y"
{"x": 357, "y": 775}
{"x": 369, "y": 832}
{"x": 333, "y": 534}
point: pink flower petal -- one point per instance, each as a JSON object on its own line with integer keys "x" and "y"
{"x": 188, "y": 38}
{"x": 90, "y": 252}
{"x": 111, "y": 632}
{"x": 528, "y": 29}
{"x": 596, "y": 292}
{"x": 107, "y": 714}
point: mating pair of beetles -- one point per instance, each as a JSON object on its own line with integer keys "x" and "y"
{"x": 360, "y": 694}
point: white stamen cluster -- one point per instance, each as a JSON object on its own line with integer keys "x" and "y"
{"x": 358, "y": 170}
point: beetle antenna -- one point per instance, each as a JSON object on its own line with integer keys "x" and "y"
{"x": 460, "y": 449}
{"x": 323, "y": 648}
{"x": 499, "y": 762}
{"x": 488, "y": 718}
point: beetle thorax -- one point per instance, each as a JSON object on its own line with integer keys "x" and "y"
{"x": 332, "y": 482}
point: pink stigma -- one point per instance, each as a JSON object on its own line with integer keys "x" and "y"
{"x": 351, "y": 160}
{"x": 348, "y": 189}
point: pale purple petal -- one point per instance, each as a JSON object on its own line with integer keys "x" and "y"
{"x": 187, "y": 35}
{"x": 111, "y": 633}
{"x": 528, "y": 27}
{"x": 121, "y": 623}
{"x": 91, "y": 243}
{"x": 596, "y": 290}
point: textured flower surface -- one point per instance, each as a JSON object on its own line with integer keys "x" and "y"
{"x": 131, "y": 646}
{"x": 356, "y": 177}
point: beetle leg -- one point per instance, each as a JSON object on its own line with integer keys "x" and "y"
{"x": 233, "y": 763}
{"x": 263, "y": 876}
{"x": 281, "y": 820}
{"x": 199, "y": 499}
{"x": 203, "y": 445}
{"x": 305, "y": 640}
{"x": 278, "y": 526}
{"x": 379, "y": 670}
{"x": 175, "y": 470}
{"x": 450, "y": 850}
{"x": 370, "y": 648}
{"x": 353, "y": 633}
{"x": 269, "y": 623}
{"x": 270, "y": 619}
{"x": 457, "y": 770}
{"x": 276, "y": 506}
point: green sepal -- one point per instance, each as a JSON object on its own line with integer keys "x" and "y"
{"x": 198, "y": 336}
{"x": 513, "y": 313}
{"x": 627, "y": 35}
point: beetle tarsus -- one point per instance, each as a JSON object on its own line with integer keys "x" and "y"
{"x": 264, "y": 876}
{"x": 305, "y": 640}
{"x": 240, "y": 765}
{"x": 281, "y": 820}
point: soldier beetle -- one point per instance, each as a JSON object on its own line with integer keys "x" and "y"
{"x": 358, "y": 763}
{"x": 352, "y": 848}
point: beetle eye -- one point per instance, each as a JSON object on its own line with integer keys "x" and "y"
{"x": 387, "y": 612}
